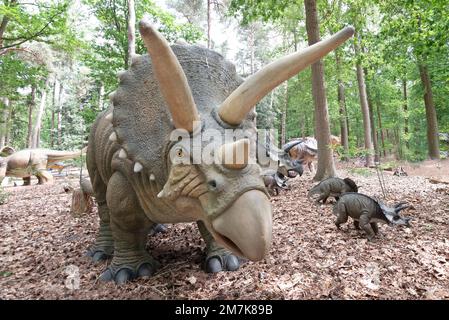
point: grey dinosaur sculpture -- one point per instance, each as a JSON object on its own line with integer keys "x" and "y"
{"x": 274, "y": 182}
{"x": 28, "y": 162}
{"x": 367, "y": 212}
{"x": 142, "y": 176}
{"x": 332, "y": 187}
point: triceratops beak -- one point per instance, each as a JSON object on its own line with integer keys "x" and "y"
{"x": 245, "y": 228}
{"x": 236, "y": 107}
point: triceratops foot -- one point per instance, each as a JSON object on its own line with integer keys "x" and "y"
{"x": 99, "y": 254}
{"x": 128, "y": 272}
{"x": 221, "y": 261}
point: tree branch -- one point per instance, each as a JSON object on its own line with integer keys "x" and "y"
{"x": 37, "y": 34}
{"x": 36, "y": 57}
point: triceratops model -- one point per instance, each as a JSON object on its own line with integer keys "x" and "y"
{"x": 332, "y": 187}
{"x": 274, "y": 182}
{"x": 143, "y": 172}
{"x": 367, "y": 212}
{"x": 28, "y": 162}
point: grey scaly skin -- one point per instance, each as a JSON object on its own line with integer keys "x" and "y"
{"x": 367, "y": 213}
{"x": 142, "y": 176}
{"x": 28, "y": 162}
{"x": 332, "y": 187}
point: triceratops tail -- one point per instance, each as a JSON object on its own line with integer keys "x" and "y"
{"x": 55, "y": 155}
{"x": 351, "y": 184}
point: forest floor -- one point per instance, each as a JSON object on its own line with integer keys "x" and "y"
{"x": 42, "y": 248}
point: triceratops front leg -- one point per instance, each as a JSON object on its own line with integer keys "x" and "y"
{"x": 130, "y": 227}
{"x": 104, "y": 243}
{"x": 217, "y": 258}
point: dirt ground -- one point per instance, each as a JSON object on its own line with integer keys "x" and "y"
{"x": 42, "y": 249}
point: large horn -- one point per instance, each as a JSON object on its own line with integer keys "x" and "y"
{"x": 235, "y": 108}
{"x": 234, "y": 155}
{"x": 171, "y": 78}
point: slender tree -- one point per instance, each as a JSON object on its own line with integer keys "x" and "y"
{"x": 369, "y": 149}
{"x": 326, "y": 167}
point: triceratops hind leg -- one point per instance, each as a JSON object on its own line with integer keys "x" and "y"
{"x": 366, "y": 226}
{"x": 217, "y": 258}
{"x": 130, "y": 227}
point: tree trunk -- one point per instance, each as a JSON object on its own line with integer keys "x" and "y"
{"x": 131, "y": 31}
{"x": 5, "y": 21}
{"x": 371, "y": 120}
{"x": 251, "y": 44}
{"x": 326, "y": 167}
{"x": 405, "y": 96}
{"x": 284, "y": 117}
{"x": 342, "y": 107}
{"x": 364, "y": 106}
{"x": 101, "y": 97}
{"x": 381, "y": 130}
{"x": 37, "y": 125}
{"x": 31, "y": 105}
{"x": 53, "y": 113}
{"x": 431, "y": 115}
{"x": 4, "y": 121}
{"x": 59, "y": 125}
{"x": 11, "y": 114}
{"x": 209, "y": 23}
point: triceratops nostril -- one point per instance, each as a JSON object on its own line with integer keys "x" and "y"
{"x": 213, "y": 184}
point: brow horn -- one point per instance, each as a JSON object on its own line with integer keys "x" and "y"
{"x": 235, "y": 108}
{"x": 171, "y": 78}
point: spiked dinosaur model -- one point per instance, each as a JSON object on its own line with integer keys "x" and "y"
{"x": 304, "y": 150}
{"x": 142, "y": 173}
{"x": 332, "y": 187}
{"x": 367, "y": 212}
{"x": 33, "y": 162}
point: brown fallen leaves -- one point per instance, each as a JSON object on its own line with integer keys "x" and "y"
{"x": 42, "y": 251}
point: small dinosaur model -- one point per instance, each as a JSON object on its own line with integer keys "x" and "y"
{"x": 367, "y": 212}
{"x": 332, "y": 187}
{"x": 28, "y": 162}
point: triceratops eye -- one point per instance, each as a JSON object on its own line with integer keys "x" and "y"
{"x": 179, "y": 153}
{"x": 396, "y": 218}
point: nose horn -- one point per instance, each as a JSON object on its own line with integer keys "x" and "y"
{"x": 234, "y": 155}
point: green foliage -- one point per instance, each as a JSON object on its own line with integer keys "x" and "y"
{"x": 364, "y": 172}
{"x": 109, "y": 55}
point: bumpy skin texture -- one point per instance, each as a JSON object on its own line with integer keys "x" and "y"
{"x": 28, "y": 162}
{"x": 366, "y": 213}
{"x": 332, "y": 187}
{"x": 128, "y": 202}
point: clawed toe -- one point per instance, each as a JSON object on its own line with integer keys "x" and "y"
{"x": 98, "y": 255}
{"x": 227, "y": 262}
{"x": 145, "y": 270}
